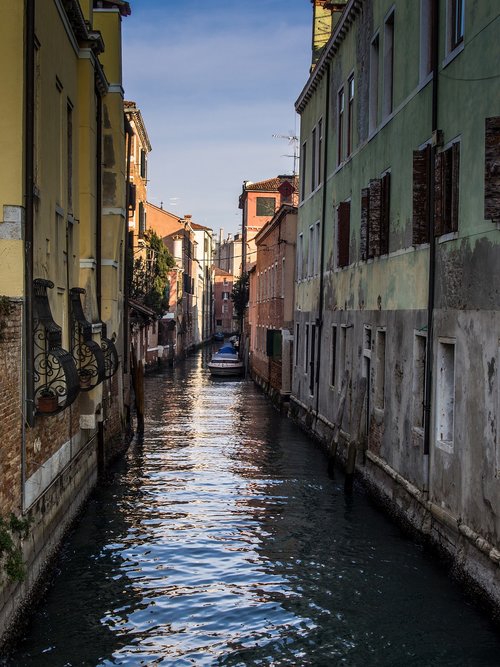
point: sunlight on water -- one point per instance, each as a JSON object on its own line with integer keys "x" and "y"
{"x": 220, "y": 540}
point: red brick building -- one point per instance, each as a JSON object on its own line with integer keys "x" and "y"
{"x": 223, "y": 304}
{"x": 271, "y": 303}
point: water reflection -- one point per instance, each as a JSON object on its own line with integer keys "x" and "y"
{"x": 220, "y": 540}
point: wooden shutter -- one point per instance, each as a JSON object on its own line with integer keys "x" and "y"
{"x": 343, "y": 237}
{"x": 421, "y": 200}
{"x": 492, "y": 169}
{"x": 455, "y": 185}
{"x": 374, "y": 219}
{"x": 385, "y": 213}
{"x": 365, "y": 215}
{"x": 439, "y": 194}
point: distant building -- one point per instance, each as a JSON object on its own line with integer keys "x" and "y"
{"x": 223, "y": 304}
{"x": 258, "y": 203}
{"x": 203, "y": 284}
{"x": 271, "y": 303}
{"x": 228, "y": 253}
{"x": 179, "y": 237}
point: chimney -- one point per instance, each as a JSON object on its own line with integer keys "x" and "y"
{"x": 326, "y": 15}
{"x": 221, "y": 236}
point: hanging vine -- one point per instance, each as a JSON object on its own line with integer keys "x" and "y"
{"x": 12, "y": 531}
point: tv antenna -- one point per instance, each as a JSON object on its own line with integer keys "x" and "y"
{"x": 293, "y": 140}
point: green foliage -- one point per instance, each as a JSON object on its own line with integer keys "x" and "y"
{"x": 150, "y": 283}
{"x": 10, "y": 552}
{"x": 239, "y": 295}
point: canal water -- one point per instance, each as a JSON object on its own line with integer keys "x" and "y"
{"x": 220, "y": 540}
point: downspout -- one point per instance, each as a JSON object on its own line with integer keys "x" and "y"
{"x": 29, "y": 160}
{"x": 98, "y": 212}
{"x": 101, "y": 455}
{"x": 126, "y": 267}
{"x": 432, "y": 248}
{"x": 319, "y": 321}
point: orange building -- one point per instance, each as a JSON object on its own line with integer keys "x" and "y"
{"x": 179, "y": 237}
{"x": 271, "y": 303}
{"x": 259, "y": 202}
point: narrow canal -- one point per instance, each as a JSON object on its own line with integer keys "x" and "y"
{"x": 220, "y": 540}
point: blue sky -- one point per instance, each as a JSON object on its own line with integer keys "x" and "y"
{"x": 214, "y": 80}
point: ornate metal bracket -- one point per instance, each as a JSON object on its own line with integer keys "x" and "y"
{"x": 110, "y": 354}
{"x": 88, "y": 355}
{"x": 55, "y": 374}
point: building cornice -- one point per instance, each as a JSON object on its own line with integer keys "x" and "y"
{"x": 134, "y": 114}
{"x": 352, "y": 9}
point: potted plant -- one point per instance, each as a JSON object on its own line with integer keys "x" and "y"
{"x": 47, "y": 401}
{"x": 85, "y": 378}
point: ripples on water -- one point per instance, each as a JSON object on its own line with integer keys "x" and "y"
{"x": 220, "y": 540}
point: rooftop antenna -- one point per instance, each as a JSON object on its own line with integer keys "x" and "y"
{"x": 293, "y": 140}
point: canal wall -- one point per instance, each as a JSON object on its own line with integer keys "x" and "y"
{"x": 474, "y": 559}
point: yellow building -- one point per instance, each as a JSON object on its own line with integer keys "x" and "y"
{"x": 62, "y": 243}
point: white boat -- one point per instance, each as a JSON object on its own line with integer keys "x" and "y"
{"x": 226, "y": 363}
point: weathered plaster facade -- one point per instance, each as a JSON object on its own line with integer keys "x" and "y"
{"x": 397, "y": 261}
{"x": 62, "y": 237}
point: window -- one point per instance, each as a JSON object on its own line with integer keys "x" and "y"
{"x": 389, "y": 64}
{"x": 312, "y": 359}
{"x": 300, "y": 257}
{"x": 297, "y": 343}
{"x": 313, "y": 160}
{"x": 375, "y": 210}
{"x": 225, "y": 296}
{"x": 265, "y": 206}
{"x": 142, "y": 220}
{"x": 456, "y": 25}
{"x": 373, "y": 95}
{"x": 316, "y": 157}
{"x": 143, "y": 164}
{"x": 343, "y": 233}
{"x": 333, "y": 359}
{"x": 340, "y": 126}
{"x": 69, "y": 155}
{"x": 421, "y": 194}
{"x": 426, "y": 27}
{"x": 350, "y": 115}
{"x": 310, "y": 253}
{"x": 218, "y": 323}
{"x": 224, "y": 308}
{"x": 316, "y": 249}
{"x": 491, "y": 171}
{"x": 445, "y": 403}
{"x": 342, "y": 359}
{"x": 446, "y": 190}
{"x": 319, "y": 152}
{"x": 380, "y": 371}
{"x": 303, "y": 158}
{"x": 419, "y": 351}
{"x": 283, "y": 278}
{"x": 306, "y": 349}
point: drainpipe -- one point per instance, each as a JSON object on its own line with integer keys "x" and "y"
{"x": 126, "y": 268}
{"x": 29, "y": 160}
{"x": 98, "y": 212}
{"x": 101, "y": 452}
{"x": 319, "y": 321}
{"x": 432, "y": 248}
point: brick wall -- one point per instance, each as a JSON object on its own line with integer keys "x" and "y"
{"x": 10, "y": 409}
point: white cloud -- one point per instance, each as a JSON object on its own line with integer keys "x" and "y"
{"x": 213, "y": 86}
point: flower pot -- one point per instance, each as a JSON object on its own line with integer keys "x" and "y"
{"x": 47, "y": 403}
{"x": 85, "y": 380}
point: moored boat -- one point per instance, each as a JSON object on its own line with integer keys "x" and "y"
{"x": 226, "y": 363}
